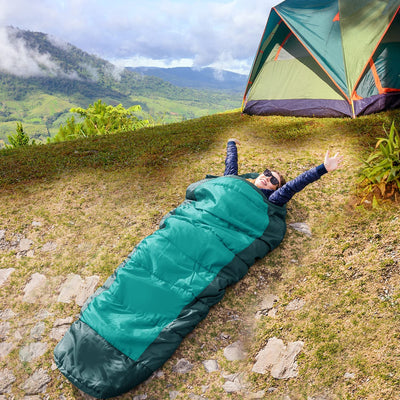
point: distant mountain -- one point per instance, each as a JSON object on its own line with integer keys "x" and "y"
{"x": 42, "y": 77}
{"x": 203, "y": 78}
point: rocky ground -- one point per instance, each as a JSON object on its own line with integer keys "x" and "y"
{"x": 33, "y": 338}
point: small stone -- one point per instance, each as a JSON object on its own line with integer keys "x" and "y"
{"x": 301, "y": 227}
{"x": 140, "y": 397}
{"x": 32, "y": 351}
{"x": 37, "y": 382}
{"x": 5, "y": 349}
{"x": 295, "y": 305}
{"x": 35, "y": 287}
{"x": 158, "y": 374}
{"x": 225, "y": 336}
{"x": 36, "y": 224}
{"x": 7, "y": 314}
{"x": 272, "y": 313}
{"x": 278, "y": 359}
{"x": 2, "y": 234}
{"x": 38, "y": 330}
{"x": 6, "y": 380}
{"x": 63, "y": 321}
{"x": 349, "y": 375}
{"x": 182, "y": 366}
{"x": 24, "y": 244}
{"x": 4, "y": 274}
{"x": 234, "y": 352}
{"x": 87, "y": 288}
{"x": 269, "y": 302}
{"x": 204, "y": 388}
{"x": 30, "y": 253}
{"x": 232, "y": 387}
{"x": 4, "y": 329}
{"x": 70, "y": 288}
{"x": 211, "y": 365}
{"x": 17, "y": 335}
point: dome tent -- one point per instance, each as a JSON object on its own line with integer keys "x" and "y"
{"x": 327, "y": 58}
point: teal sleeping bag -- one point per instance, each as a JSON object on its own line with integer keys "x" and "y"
{"x": 135, "y": 321}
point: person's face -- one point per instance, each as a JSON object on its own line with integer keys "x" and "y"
{"x": 263, "y": 181}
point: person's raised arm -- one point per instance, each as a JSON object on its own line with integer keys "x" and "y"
{"x": 282, "y": 195}
{"x": 231, "y": 160}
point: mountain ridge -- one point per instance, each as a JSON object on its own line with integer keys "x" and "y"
{"x": 199, "y": 78}
{"x": 63, "y": 76}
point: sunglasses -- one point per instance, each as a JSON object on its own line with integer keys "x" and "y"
{"x": 273, "y": 180}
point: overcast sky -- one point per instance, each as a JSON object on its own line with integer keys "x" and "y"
{"x": 220, "y": 33}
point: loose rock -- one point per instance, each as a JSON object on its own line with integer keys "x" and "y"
{"x": 234, "y": 352}
{"x": 232, "y": 387}
{"x": 5, "y": 349}
{"x": 38, "y": 330}
{"x": 60, "y": 328}
{"x": 36, "y": 383}
{"x": 301, "y": 227}
{"x": 4, "y": 329}
{"x": 211, "y": 365}
{"x": 35, "y": 287}
{"x": 4, "y": 274}
{"x": 49, "y": 247}
{"x": 87, "y": 289}
{"x": 6, "y": 379}
{"x": 278, "y": 359}
{"x": 70, "y": 288}
{"x": 182, "y": 366}
{"x": 32, "y": 351}
{"x": 24, "y": 245}
{"x": 7, "y": 314}
{"x": 295, "y": 305}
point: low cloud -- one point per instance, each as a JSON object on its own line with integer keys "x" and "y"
{"x": 166, "y": 31}
{"x": 17, "y": 59}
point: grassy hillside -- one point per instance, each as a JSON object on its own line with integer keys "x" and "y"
{"x": 97, "y": 198}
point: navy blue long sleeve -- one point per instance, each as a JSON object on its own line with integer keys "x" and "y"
{"x": 283, "y": 194}
{"x": 231, "y": 160}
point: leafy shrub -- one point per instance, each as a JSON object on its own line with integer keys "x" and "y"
{"x": 100, "y": 119}
{"x": 381, "y": 174}
{"x": 19, "y": 139}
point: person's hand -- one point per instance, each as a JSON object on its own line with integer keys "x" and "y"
{"x": 234, "y": 140}
{"x": 332, "y": 163}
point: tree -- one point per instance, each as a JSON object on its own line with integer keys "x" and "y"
{"x": 19, "y": 139}
{"x": 100, "y": 119}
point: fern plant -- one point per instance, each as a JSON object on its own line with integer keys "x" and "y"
{"x": 381, "y": 173}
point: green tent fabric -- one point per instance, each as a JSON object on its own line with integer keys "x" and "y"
{"x": 134, "y": 323}
{"x": 327, "y": 58}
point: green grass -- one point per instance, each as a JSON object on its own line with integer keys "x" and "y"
{"x": 98, "y": 198}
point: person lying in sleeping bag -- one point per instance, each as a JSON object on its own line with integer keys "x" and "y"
{"x": 134, "y": 323}
{"x": 272, "y": 183}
